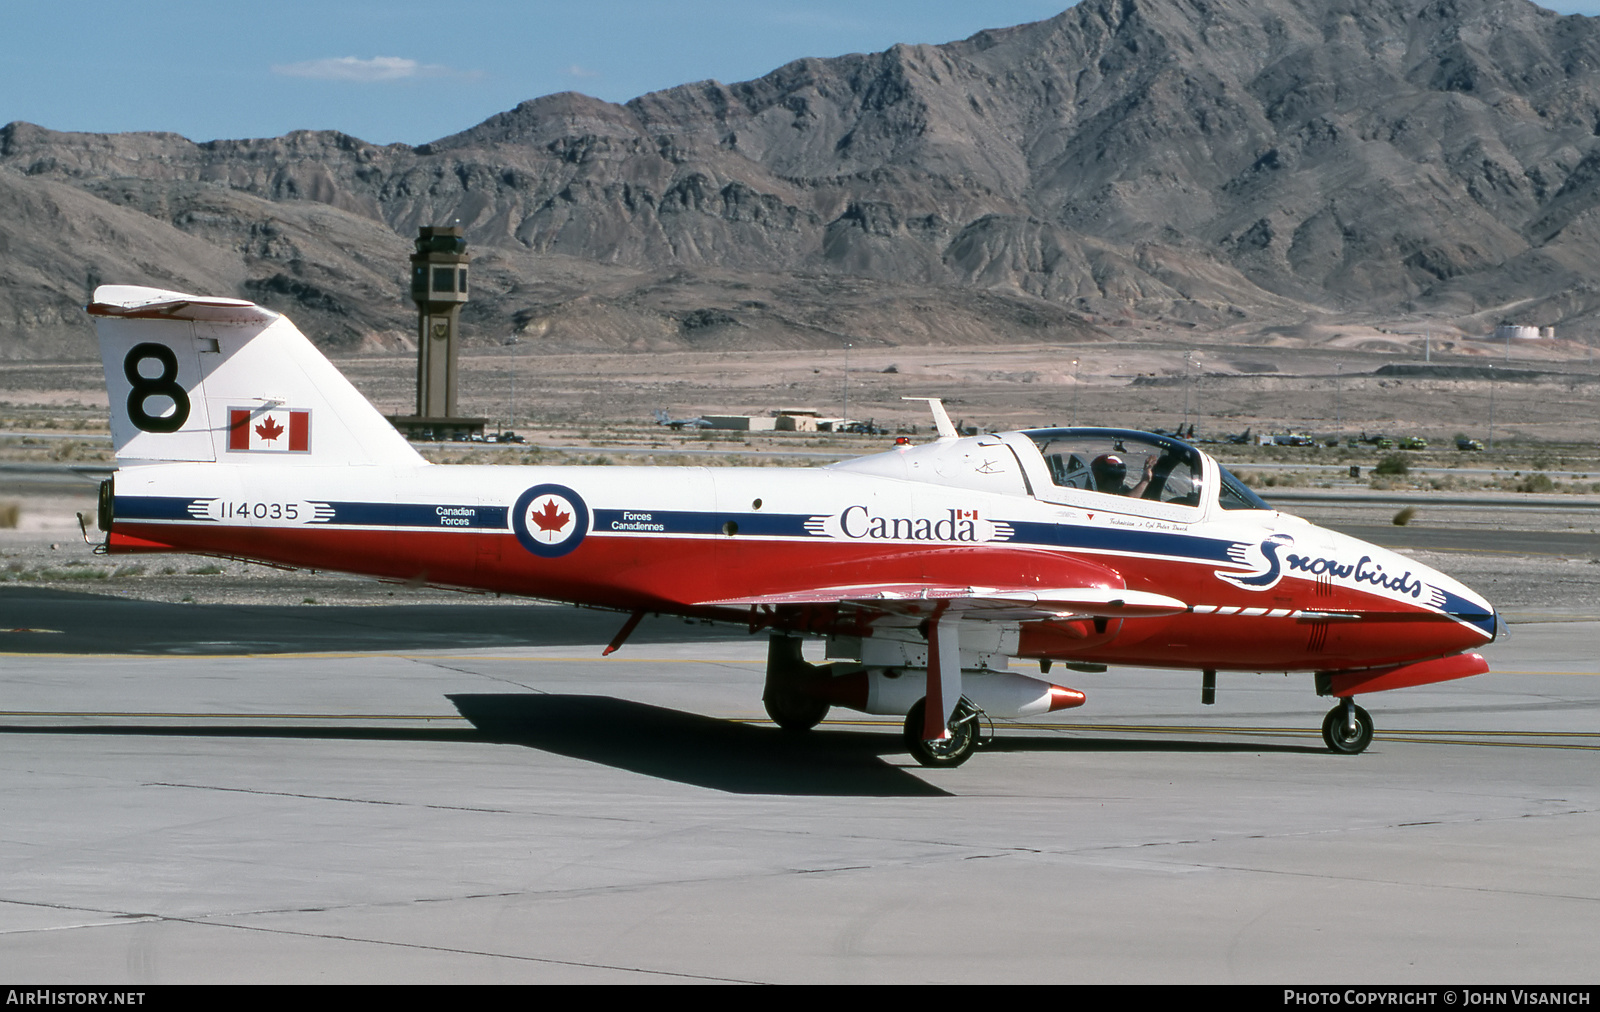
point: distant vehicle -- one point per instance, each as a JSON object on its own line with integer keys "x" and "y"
{"x": 1413, "y": 443}
{"x": 1177, "y": 433}
{"x": 681, "y": 423}
{"x": 1381, "y": 441}
{"x": 1464, "y": 444}
{"x": 1239, "y": 438}
{"x": 866, "y": 428}
{"x": 1293, "y": 439}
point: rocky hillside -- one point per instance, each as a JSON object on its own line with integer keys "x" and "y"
{"x": 1204, "y": 162}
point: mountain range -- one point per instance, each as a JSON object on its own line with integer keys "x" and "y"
{"x": 1198, "y": 163}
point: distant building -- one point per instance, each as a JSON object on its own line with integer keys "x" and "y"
{"x": 743, "y": 423}
{"x": 797, "y": 419}
{"x": 1516, "y": 332}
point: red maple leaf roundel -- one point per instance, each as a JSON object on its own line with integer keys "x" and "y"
{"x": 269, "y": 429}
{"x": 550, "y": 518}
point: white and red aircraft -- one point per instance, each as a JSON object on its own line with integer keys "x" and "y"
{"x": 927, "y": 568}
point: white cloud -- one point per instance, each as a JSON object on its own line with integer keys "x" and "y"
{"x": 577, "y": 71}
{"x": 352, "y": 68}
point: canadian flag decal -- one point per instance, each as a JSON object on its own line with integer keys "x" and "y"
{"x": 274, "y": 430}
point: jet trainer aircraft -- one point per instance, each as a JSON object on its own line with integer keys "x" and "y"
{"x": 927, "y": 569}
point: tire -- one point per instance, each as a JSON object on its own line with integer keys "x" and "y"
{"x": 793, "y": 710}
{"x": 1337, "y": 735}
{"x": 949, "y": 752}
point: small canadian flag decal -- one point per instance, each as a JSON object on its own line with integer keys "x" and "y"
{"x": 274, "y": 430}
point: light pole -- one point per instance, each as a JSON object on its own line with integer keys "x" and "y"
{"x": 511, "y": 406}
{"x": 1074, "y": 393}
{"x": 1186, "y": 357}
{"x": 1491, "y": 408}
{"x": 846, "y": 422}
{"x": 1338, "y": 384}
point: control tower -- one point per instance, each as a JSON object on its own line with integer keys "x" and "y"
{"x": 439, "y": 270}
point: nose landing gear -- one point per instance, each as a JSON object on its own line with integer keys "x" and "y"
{"x": 1347, "y": 728}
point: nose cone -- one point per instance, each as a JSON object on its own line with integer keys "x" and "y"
{"x": 1474, "y": 618}
{"x": 1468, "y": 608}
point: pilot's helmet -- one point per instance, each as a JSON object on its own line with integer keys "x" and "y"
{"x": 1109, "y": 472}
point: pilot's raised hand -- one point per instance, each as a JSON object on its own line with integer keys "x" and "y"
{"x": 1137, "y": 491}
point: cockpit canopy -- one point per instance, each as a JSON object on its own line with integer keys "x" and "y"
{"x": 1121, "y": 463}
{"x": 1167, "y": 477}
{"x": 1136, "y": 465}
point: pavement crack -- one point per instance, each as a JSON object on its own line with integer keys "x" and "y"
{"x": 455, "y": 950}
{"x": 328, "y": 797}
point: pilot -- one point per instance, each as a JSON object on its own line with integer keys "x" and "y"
{"x": 1110, "y": 474}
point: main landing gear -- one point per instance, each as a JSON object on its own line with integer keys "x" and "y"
{"x": 943, "y": 752}
{"x": 787, "y": 700}
{"x": 795, "y": 711}
{"x": 1347, "y": 728}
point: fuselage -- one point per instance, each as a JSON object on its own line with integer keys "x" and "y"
{"x": 1265, "y": 590}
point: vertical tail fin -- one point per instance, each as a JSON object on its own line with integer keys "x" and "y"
{"x": 193, "y": 378}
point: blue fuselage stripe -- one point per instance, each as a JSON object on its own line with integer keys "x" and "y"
{"x": 350, "y": 514}
{"x": 644, "y": 522}
{"x": 1097, "y": 539}
{"x": 772, "y": 525}
{"x": 383, "y": 514}
{"x": 152, "y": 507}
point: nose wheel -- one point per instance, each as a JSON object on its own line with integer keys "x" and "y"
{"x": 1347, "y": 728}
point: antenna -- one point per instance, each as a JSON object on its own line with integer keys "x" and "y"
{"x": 941, "y": 420}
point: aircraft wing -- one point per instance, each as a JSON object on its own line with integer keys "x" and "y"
{"x": 994, "y": 603}
{"x": 944, "y": 607}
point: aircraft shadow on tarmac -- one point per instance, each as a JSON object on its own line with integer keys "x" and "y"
{"x": 694, "y": 749}
{"x": 744, "y": 759}
{"x": 648, "y": 740}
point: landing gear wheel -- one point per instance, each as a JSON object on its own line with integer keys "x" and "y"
{"x": 793, "y": 710}
{"x": 1336, "y": 730}
{"x": 951, "y": 751}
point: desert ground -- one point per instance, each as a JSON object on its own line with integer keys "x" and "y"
{"x": 1323, "y": 380}
{"x": 598, "y": 408}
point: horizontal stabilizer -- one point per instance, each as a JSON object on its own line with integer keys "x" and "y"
{"x": 133, "y": 302}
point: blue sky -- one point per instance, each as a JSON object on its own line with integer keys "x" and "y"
{"x": 410, "y": 71}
